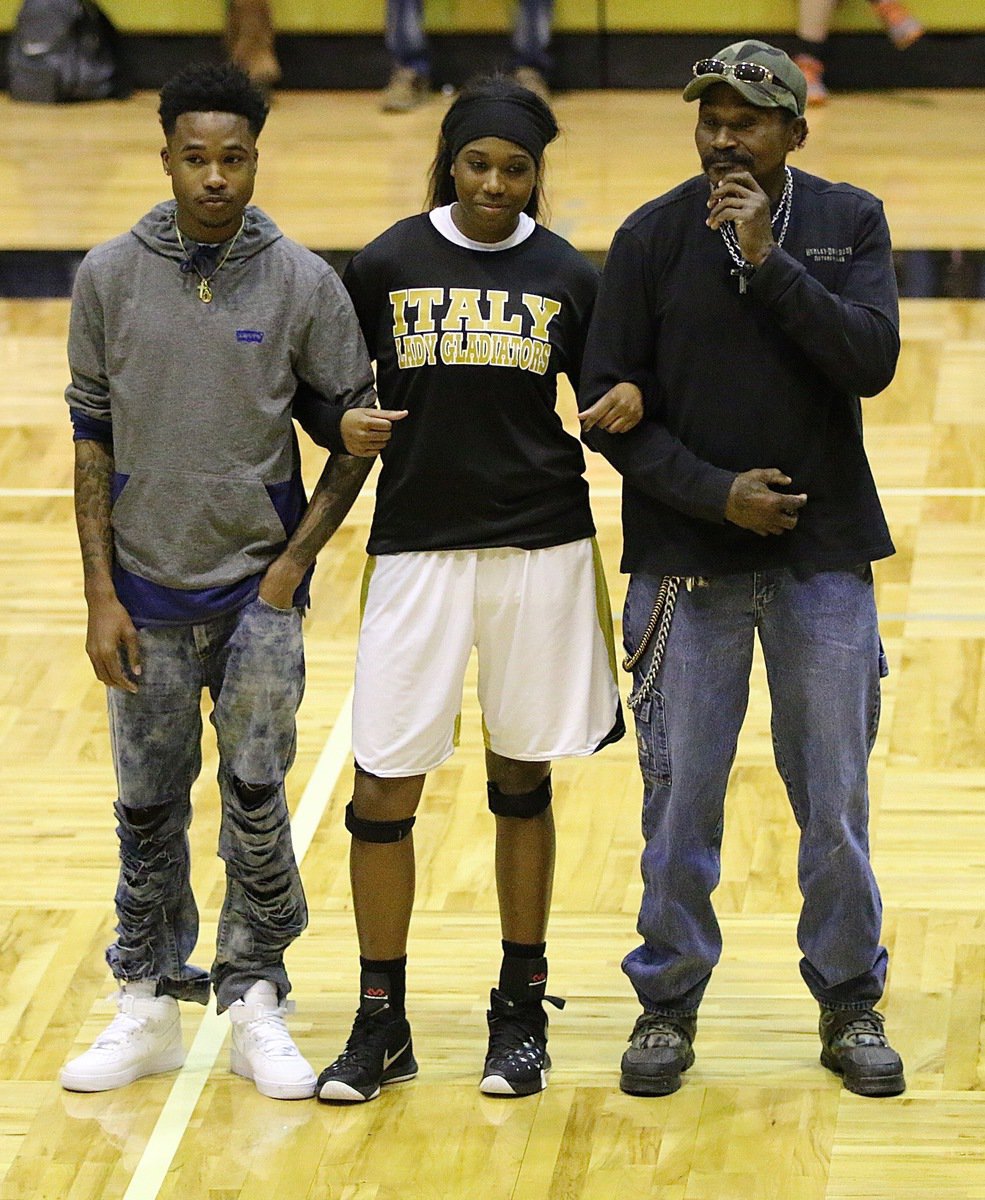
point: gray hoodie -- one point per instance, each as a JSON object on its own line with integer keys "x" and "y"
{"x": 196, "y": 397}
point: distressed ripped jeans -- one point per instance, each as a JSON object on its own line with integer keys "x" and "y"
{"x": 823, "y": 656}
{"x": 252, "y": 662}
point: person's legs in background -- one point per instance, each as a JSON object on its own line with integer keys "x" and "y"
{"x": 531, "y": 39}
{"x": 901, "y": 26}
{"x": 250, "y": 40}
{"x": 814, "y": 22}
{"x": 410, "y": 77}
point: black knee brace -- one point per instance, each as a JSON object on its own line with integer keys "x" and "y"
{"x": 522, "y": 804}
{"x": 377, "y": 831}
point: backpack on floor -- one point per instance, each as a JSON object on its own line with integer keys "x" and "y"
{"x": 63, "y": 50}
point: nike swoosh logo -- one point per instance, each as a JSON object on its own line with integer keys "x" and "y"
{"x": 392, "y": 1058}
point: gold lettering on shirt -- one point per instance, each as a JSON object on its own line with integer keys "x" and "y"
{"x": 416, "y": 350}
{"x": 399, "y": 302}
{"x": 479, "y": 328}
{"x": 463, "y": 310}
{"x": 425, "y": 300}
{"x": 498, "y": 321}
{"x": 543, "y": 311}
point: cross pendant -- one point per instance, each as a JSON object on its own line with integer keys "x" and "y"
{"x": 205, "y": 292}
{"x": 735, "y": 271}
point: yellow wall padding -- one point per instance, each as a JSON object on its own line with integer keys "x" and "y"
{"x": 484, "y": 16}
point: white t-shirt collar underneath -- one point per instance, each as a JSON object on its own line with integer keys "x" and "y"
{"x": 441, "y": 219}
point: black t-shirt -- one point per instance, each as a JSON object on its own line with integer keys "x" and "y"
{"x": 470, "y": 342}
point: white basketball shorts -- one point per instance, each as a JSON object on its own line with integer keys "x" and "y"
{"x": 541, "y": 623}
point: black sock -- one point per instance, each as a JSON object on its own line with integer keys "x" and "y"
{"x": 383, "y": 985}
{"x": 523, "y": 975}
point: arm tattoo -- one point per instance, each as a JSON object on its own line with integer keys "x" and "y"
{"x": 334, "y": 494}
{"x": 94, "y": 465}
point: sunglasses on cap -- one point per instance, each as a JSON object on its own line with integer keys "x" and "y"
{"x": 746, "y": 72}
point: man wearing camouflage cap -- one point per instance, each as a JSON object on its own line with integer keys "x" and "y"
{"x": 752, "y": 306}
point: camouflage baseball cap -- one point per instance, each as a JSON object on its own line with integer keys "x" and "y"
{"x": 782, "y": 86}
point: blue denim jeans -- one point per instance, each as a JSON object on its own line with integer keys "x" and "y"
{"x": 408, "y": 46}
{"x": 823, "y": 657}
{"x": 252, "y": 662}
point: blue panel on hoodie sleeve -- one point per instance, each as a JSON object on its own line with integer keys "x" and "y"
{"x": 90, "y": 429}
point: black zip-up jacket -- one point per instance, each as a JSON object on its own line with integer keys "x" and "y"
{"x": 731, "y": 382}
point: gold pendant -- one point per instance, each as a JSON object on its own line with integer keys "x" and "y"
{"x": 204, "y": 292}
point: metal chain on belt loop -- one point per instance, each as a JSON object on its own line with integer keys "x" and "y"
{"x": 663, "y": 612}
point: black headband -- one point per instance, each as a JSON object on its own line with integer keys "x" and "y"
{"x": 512, "y": 118}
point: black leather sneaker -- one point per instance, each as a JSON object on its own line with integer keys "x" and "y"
{"x": 854, "y": 1046}
{"x": 659, "y": 1052}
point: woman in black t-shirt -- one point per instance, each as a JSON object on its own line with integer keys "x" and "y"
{"x": 482, "y": 536}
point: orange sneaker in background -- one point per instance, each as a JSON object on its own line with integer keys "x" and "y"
{"x": 901, "y": 25}
{"x": 813, "y": 68}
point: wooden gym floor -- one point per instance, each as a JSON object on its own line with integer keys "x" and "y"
{"x": 757, "y": 1117}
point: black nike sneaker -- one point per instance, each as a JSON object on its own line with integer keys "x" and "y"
{"x": 379, "y": 1051}
{"x": 517, "y": 1062}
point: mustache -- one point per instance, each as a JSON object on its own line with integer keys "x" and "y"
{"x": 726, "y": 160}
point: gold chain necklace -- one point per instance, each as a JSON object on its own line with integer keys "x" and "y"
{"x": 204, "y": 291}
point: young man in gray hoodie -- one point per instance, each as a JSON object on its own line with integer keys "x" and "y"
{"x": 189, "y": 338}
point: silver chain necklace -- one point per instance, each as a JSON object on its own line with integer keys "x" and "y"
{"x": 743, "y": 268}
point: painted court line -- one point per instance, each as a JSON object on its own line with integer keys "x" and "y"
{"x": 931, "y": 616}
{"x": 158, "y": 1155}
{"x": 35, "y": 493}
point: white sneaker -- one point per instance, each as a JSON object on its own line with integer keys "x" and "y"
{"x": 262, "y": 1049}
{"x": 144, "y": 1038}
